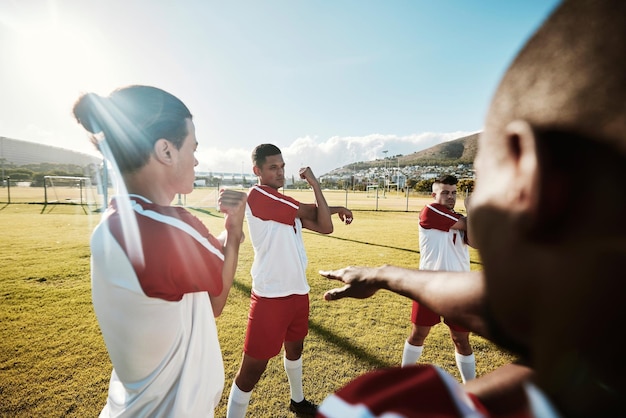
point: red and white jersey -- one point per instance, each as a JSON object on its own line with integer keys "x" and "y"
{"x": 423, "y": 391}
{"x": 442, "y": 248}
{"x": 402, "y": 392}
{"x": 152, "y": 270}
{"x": 280, "y": 261}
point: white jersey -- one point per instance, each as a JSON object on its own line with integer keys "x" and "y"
{"x": 154, "y": 311}
{"x": 442, "y": 248}
{"x": 280, "y": 261}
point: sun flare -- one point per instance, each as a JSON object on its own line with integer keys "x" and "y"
{"x": 55, "y": 58}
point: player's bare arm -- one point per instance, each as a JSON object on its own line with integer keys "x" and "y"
{"x": 345, "y": 214}
{"x": 233, "y": 205}
{"x": 461, "y": 224}
{"x": 315, "y": 217}
{"x": 230, "y": 203}
{"x": 458, "y": 296}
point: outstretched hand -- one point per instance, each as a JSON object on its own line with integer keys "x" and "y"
{"x": 359, "y": 283}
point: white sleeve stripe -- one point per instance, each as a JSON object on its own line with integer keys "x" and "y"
{"x": 447, "y": 215}
{"x": 334, "y": 406}
{"x": 257, "y": 188}
{"x": 177, "y": 223}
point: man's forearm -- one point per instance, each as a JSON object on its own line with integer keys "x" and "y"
{"x": 323, "y": 210}
{"x": 458, "y": 296}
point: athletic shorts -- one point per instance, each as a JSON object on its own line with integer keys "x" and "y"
{"x": 424, "y": 317}
{"x": 272, "y": 321}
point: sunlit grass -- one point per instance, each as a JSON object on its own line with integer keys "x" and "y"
{"x": 53, "y": 361}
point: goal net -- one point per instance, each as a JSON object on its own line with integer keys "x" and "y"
{"x": 372, "y": 190}
{"x": 68, "y": 190}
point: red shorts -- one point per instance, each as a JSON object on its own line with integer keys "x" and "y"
{"x": 272, "y": 321}
{"x": 424, "y": 317}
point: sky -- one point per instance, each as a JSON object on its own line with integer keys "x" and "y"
{"x": 330, "y": 82}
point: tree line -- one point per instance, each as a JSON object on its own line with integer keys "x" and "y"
{"x": 35, "y": 173}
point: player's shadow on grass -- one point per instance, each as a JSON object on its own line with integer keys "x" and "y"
{"x": 363, "y": 355}
{"x": 376, "y": 245}
{"x": 364, "y": 242}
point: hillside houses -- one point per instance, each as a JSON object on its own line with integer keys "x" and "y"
{"x": 392, "y": 177}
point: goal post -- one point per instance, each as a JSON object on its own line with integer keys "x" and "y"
{"x": 69, "y": 190}
{"x": 372, "y": 190}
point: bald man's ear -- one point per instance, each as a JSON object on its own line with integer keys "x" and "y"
{"x": 523, "y": 153}
{"x": 541, "y": 188}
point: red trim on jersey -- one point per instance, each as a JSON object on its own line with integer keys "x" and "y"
{"x": 413, "y": 391}
{"x": 268, "y": 204}
{"x": 175, "y": 262}
{"x": 436, "y": 216}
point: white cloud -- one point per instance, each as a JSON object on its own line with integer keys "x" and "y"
{"x": 324, "y": 156}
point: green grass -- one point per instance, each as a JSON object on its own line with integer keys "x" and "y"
{"x": 53, "y": 361}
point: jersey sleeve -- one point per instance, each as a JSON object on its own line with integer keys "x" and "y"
{"x": 179, "y": 254}
{"x": 269, "y": 205}
{"x": 438, "y": 217}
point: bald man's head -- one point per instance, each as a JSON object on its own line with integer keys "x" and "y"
{"x": 571, "y": 75}
{"x": 550, "y": 172}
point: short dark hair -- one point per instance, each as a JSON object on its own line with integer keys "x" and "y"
{"x": 448, "y": 179}
{"x": 261, "y": 152}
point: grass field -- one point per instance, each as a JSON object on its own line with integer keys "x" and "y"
{"x": 53, "y": 362}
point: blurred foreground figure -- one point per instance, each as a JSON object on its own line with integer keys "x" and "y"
{"x": 546, "y": 217}
{"x": 158, "y": 276}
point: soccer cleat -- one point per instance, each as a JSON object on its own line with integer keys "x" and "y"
{"x": 303, "y": 408}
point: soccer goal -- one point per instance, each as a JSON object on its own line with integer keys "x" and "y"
{"x": 69, "y": 190}
{"x": 372, "y": 190}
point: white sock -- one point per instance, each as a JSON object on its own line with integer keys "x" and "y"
{"x": 294, "y": 374}
{"x": 237, "y": 402}
{"x": 411, "y": 354}
{"x": 466, "y": 365}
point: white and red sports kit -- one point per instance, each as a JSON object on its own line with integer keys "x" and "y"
{"x": 279, "y": 305}
{"x": 442, "y": 248}
{"x": 280, "y": 261}
{"x": 153, "y": 268}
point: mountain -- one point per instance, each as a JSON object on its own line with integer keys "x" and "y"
{"x": 16, "y": 153}
{"x": 457, "y": 151}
